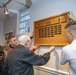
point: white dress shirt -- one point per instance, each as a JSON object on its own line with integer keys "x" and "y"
{"x": 69, "y": 55}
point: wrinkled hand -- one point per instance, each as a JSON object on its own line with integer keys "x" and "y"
{"x": 52, "y": 49}
{"x": 71, "y": 16}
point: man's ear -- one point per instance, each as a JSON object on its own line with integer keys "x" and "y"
{"x": 25, "y": 44}
{"x": 9, "y": 42}
{"x": 72, "y": 33}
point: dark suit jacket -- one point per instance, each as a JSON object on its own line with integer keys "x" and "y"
{"x": 20, "y": 61}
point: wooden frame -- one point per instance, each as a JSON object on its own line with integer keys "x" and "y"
{"x": 51, "y": 31}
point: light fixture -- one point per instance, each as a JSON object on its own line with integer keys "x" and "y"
{"x": 6, "y": 11}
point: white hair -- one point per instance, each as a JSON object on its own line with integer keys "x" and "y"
{"x": 23, "y": 39}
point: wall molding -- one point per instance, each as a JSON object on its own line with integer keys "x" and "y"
{"x": 50, "y": 70}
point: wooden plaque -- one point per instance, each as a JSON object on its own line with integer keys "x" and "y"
{"x": 51, "y": 31}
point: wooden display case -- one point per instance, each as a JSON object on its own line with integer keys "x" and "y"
{"x": 51, "y": 31}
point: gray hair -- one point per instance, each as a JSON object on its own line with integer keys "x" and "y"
{"x": 71, "y": 25}
{"x": 23, "y": 39}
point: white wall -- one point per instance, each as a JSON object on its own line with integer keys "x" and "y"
{"x": 1, "y": 32}
{"x": 10, "y": 25}
{"x": 46, "y": 8}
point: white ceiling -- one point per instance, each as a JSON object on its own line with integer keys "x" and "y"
{"x": 12, "y": 7}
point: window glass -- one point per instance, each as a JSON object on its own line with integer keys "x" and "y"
{"x": 24, "y": 26}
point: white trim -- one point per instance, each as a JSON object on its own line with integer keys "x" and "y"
{"x": 50, "y": 70}
{"x": 18, "y": 23}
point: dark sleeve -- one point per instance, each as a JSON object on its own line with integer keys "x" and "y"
{"x": 34, "y": 59}
{"x": 5, "y": 69}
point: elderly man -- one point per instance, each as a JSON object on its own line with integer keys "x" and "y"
{"x": 20, "y": 60}
{"x": 69, "y": 51}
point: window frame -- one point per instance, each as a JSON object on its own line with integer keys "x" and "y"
{"x": 26, "y": 21}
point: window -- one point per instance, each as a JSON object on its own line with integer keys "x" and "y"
{"x": 24, "y": 26}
